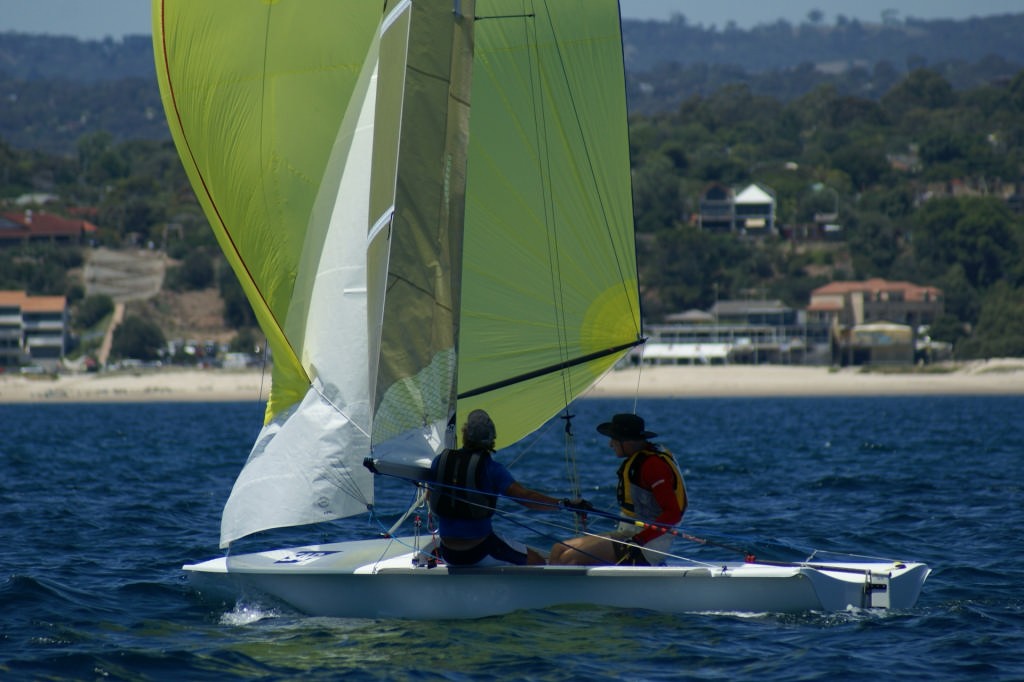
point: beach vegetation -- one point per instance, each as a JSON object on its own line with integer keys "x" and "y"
{"x": 137, "y": 338}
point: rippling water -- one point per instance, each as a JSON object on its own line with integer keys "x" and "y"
{"x": 101, "y": 504}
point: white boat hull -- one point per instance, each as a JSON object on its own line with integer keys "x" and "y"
{"x": 378, "y": 579}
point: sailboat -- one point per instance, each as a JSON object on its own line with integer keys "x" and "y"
{"x": 428, "y": 205}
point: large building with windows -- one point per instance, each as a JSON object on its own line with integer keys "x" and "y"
{"x": 871, "y": 322}
{"x": 875, "y": 300}
{"x": 33, "y": 330}
{"x": 876, "y": 321}
{"x": 741, "y": 332}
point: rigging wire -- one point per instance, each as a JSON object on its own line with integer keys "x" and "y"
{"x": 571, "y": 471}
{"x": 639, "y": 374}
{"x": 589, "y": 156}
{"x": 263, "y": 369}
{"x": 533, "y": 522}
{"x": 512, "y": 517}
{"x": 557, "y": 287}
{"x": 544, "y": 170}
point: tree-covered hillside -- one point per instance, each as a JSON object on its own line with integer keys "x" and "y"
{"x": 927, "y": 183}
{"x": 56, "y": 89}
{"x": 925, "y": 177}
{"x": 907, "y": 43}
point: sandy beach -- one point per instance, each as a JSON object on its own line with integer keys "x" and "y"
{"x": 992, "y": 377}
{"x": 196, "y": 385}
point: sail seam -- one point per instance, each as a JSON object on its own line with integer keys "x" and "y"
{"x": 551, "y": 369}
{"x": 528, "y": 15}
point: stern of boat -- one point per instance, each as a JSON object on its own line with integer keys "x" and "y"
{"x": 868, "y": 586}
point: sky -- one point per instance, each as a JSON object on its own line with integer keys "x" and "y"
{"x": 97, "y": 19}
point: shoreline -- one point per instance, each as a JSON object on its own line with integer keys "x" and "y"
{"x": 991, "y": 377}
{"x": 158, "y": 385}
{"x": 995, "y": 377}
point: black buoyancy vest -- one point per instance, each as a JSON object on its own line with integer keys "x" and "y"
{"x": 461, "y": 473}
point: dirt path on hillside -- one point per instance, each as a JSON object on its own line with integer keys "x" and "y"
{"x": 130, "y": 275}
{"x": 108, "y": 338}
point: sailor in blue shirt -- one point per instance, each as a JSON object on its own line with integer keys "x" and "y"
{"x": 470, "y": 481}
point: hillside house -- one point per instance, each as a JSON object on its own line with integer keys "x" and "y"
{"x": 717, "y": 210}
{"x": 755, "y": 211}
{"x": 20, "y": 227}
{"x": 751, "y": 212}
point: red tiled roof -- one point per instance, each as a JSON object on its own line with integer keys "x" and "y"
{"x": 44, "y": 304}
{"x": 911, "y": 292}
{"x": 9, "y": 299}
{"x": 32, "y": 304}
{"x": 42, "y": 224}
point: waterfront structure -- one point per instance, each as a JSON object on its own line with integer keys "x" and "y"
{"x": 33, "y": 330}
{"x": 876, "y": 300}
{"x": 737, "y": 331}
{"x": 875, "y": 321}
{"x": 846, "y": 323}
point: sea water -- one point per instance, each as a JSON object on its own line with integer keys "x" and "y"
{"x": 102, "y": 504}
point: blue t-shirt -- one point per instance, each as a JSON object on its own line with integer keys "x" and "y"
{"x": 495, "y": 481}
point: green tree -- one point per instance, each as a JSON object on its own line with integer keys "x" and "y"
{"x": 656, "y": 194}
{"x": 92, "y": 309}
{"x": 237, "y": 311}
{"x": 1000, "y": 329}
{"x": 875, "y": 243}
{"x": 922, "y": 89}
{"x": 977, "y": 233}
{"x": 195, "y": 273}
{"x": 137, "y": 338}
{"x": 681, "y": 269}
{"x": 947, "y": 328}
{"x": 962, "y": 300}
{"x": 866, "y": 165}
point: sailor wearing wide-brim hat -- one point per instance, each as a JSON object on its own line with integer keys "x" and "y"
{"x": 625, "y": 427}
{"x": 651, "y": 494}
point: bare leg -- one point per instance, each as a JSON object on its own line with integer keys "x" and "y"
{"x": 583, "y": 551}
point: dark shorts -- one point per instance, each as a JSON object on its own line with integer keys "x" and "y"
{"x": 629, "y": 555}
{"x": 492, "y": 546}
